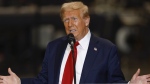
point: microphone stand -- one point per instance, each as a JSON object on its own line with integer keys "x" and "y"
{"x": 71, "y": 40}
{"x": 74, "y": 61}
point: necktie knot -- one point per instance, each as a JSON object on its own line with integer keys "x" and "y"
{"x": 76, "y": 44}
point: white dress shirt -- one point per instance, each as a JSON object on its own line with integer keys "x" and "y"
{"x": 81, "y": 54}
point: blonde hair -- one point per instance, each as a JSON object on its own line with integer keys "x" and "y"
{"x": 70, "y": 6}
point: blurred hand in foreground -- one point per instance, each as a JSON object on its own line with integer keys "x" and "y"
{"x": 143, "y": 79}
{"x": 11, "y": 79}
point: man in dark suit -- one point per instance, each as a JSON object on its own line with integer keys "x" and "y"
{"x": 97, "y": 58}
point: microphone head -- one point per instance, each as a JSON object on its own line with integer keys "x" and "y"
{"x": 71, "y": 39}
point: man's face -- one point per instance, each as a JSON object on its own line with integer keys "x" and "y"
{"x": 75, "y": 23}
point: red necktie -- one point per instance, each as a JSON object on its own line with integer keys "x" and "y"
{"x": 69, "y": 67}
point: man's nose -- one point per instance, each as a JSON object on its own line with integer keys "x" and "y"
{"x": 70, "y": 23}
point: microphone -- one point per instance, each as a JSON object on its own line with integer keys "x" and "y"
{"x": 71, "y": 40}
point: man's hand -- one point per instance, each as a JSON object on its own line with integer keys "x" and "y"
{"x": 136, "y": 79}
{"x": 11, "y": 79}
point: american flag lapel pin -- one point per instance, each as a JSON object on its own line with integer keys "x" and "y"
{"x": 95, "y": 48}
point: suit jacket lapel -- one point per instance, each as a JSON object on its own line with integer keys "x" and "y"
{"x": 90, "y": 57}
{"x": 58, "y": 59}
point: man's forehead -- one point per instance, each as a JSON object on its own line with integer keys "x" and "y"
{"x": 71, "y": 13}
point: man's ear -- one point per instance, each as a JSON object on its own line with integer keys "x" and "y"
{"x": 87, "y": 21}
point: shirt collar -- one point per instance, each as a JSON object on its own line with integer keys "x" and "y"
{"x": 84, "y": 42}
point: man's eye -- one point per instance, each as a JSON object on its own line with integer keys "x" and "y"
{"x": 66, "y": 20}
{"x": 74, "y": 18}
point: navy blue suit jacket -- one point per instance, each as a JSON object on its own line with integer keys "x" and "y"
{"x": 101, "y": 66}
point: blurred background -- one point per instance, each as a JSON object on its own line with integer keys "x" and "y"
{"x": 26, "y": 26}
